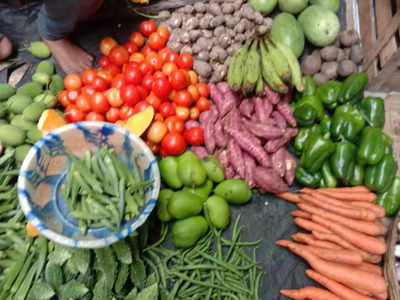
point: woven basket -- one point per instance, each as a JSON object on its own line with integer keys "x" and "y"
{"x": 389, "y": 261}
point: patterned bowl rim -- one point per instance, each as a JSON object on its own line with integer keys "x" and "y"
{"x": 24, "y": 196}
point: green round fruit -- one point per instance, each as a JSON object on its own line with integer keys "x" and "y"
{"x": 333, "y": 5}
{"x": 321, "y": 26}
{"x": 287, "y": 30}
{"x": 292, "y": 6}
{"x": 264, "y": 6}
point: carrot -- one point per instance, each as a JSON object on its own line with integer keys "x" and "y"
{"x": 378, "y": 210}
{"x": 349, "y": 276}
{"x": 301, "y": 214}
{"x": 347, "y": 189}
{"x": 310, "y": 225}
{"x": 324, "y": 198}
{"x": 310, "y": 240}
{"x": 366, "y": 227}
{"x": 370, "y": 268}
{"x": 382, "y": 296}
{"x": 309, "y": 292}
{"x": 335, "y": 287}
{"x": 361, "y": 196}
{"x": 291, "y": 197}
{"x": 360, "y": 213}
{"x": 334, "y": 255}
{"x": 359, "y": 239}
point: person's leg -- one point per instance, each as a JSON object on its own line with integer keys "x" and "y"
{"x": 5, "y": 47}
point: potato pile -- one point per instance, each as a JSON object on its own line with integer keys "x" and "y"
{"x": 338, "y": 60}
{"x": 212, "y": 31}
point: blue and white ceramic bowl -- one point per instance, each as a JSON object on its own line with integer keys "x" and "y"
{"x": 43, "y": 172}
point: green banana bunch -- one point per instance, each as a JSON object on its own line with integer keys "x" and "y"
{"x": 252, "y": 69}
{"x": 280, "y": 62}
{"x": 236, "y": 68}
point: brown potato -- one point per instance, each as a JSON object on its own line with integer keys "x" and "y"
{"x": 329, "y": 53}
{"x": 312, "y": 63}
{"x": 346, "y": 67}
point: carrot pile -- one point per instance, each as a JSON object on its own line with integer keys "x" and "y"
{"x": 344, "y": 245}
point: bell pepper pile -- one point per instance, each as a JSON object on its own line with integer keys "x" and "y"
{"x": 341, "y": 142}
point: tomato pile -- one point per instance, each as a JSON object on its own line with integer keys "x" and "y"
{"x": 137, "y": 75}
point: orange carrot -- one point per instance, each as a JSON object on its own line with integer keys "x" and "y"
{"x": 309, "y": 292}
{"x": 301, "y": 214}
{"x": 307, "y": 190}
{"x": 347, "y": 189}
{"x": 349, "y": 276}
{"x": 310, "y": 240}
{"x": 335, "y": 287}
{"x": 291, "y": 197}
{"x": 324, "y": 198}
{"x": 310, "y": 225}
{"x": 334, "y": 255}
{"x": 355, "y": 213}
{"x": 361, "y": 196}
{"x": 378, "y": 210}
{"x": 366, "y": 227}
{"x": 382, "y": 296}
{"x": 370, "y": 268}
{"x": 359, "y": 239}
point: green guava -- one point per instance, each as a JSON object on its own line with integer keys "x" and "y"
{"x": 292, "y": 6}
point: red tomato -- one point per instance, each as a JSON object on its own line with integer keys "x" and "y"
{"x": 118, "y": 81}
{"x": 156, "y": 42}
{"x": 203, "y": 104}
{"x": 88, "y": 76}
{"x": 146, "y": 50}
{"x": 131, "y": 64}
{"x": 133, "y": 75}
{"x": 126, "y": 112}
{"x": 154, "y": 60}
{"x": 92, "y": 116}
{"x": 174, "y": 124}
{"x": 163, "y": 152}
{"x": 63, "y": 98}
{"x": 88, "y": 90}
{"x": 119, "y": 55}
{"x": 131, "y": 47}
{"x": 159, "y": 74}
{"x": 182, "y": 112}
{"x": 72, "y": 96}
{"x": 142, "y": 92}
{"x": 72, "y": 82}
{"x": 104, "y": 61}
{"x": 163, "y": 33}
{"x": 107, "y": 44}
{"x": 193, "y": 77}
{"x": 83, "y": 103}
{"x": 178, "y": 80}
{"x": 130, "y": 94}
{"x": 148, "y": 27}
{"x": 163, "y": 53}
{"x": 153, "y": 146}
{"x": 113, "y": 69}
{"x": 112, "y": 115}
{"x": 100, "y": 84}
{"x": 156, "y": 131}
{"x": 192, "y": 89}
{"x": 194, "y": 136}
{"x": 141, "y": 106}
{"x": 154, "y": 101}
{"x": 183, "y": 98}
{"x": 166, "y": 109}
{"x": 203, "y": 89}
{"x": 147, "y": 82}
{"x": 173, "y": 143}
{"x": 114, "y": 97}
{"x": 185, "y": 61}
{"x": 161, "y": 87}
{"x": 158, "y": 117}
{"x": 194, "y": 113}
{"x": 136, "y": 57}
{"x": 73, "y": 114}
{"x": 99, "y": 103}
{"x": 145, "y": 67}
{"x": 137, "y": 38}
{"x": 168, "y": 68}
{"x": 105, "y": 74}
{"x": 172, "y": 57}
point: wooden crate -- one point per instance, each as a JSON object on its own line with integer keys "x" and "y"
{"x": 379, "y": 22}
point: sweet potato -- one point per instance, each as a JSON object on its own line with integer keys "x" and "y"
{"x": 278, "y": 161}
{"x": 261, "y": 113}
{"x": 249, "y": 166}
{"x": 290, "y": 168}
{"x": 217, "y": 96}
{"x": 200, "y": 151}
{"x": 235, "y": 157}
{"x": 224, "y": 99}
{"x": 220, "y": 137}
{"x": 269, "y": 180}
{"x": 273, "y": 145}
{"x": 271, "y": 95}
{"x": 246, "y": 108}
{"x": 264, "y": 131}
{"x": 268, "y": 108}
{"x": 191, "y": 123}
{"x": 229, "y": 172}
{"x": 223, "y": 158}
{"x": 285, "y": 110}
{"x": 209, "y": 122}
{"x": 279, "y": 119}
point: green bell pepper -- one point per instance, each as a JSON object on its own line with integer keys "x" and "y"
{"x": 303, "y": 135}
{"x": 329, "y": 179}
{"x": 326, "y": 124}
{"x": 379, "y": 177}
{"x": 308, "y": 110}
{"x": 358, "y": 175}
{"x": 316, "y": 151}
{"x": 343, "y": 161}
{"x": 353, "y": 88}
{"x": 388, "y": 144}
{"x": 328, "y": 93}
{"x": 347, "y": 122}
{"x": 372, "y": 146}
{"x": 309, "y": 86}
{"x": 305, "y": 178}
{"x": 390, "y": 199}
{"x": 373, "y": 110}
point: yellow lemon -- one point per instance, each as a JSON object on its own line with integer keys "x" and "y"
{"x": 138, "y": 123}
